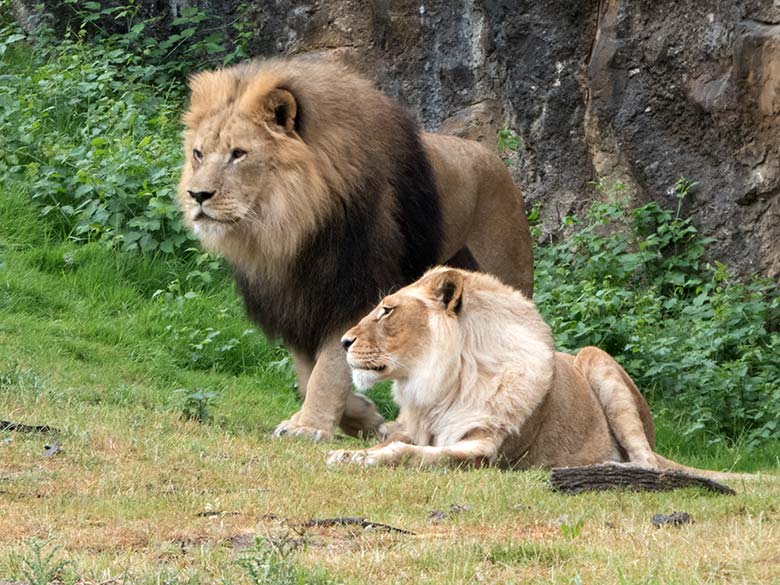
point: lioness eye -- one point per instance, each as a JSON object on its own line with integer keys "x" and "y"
{"x": 386, "y": 311}
{"x": 198, "y": 155}
{"x": 237, "y": 154}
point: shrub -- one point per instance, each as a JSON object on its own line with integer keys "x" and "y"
{"x": 196, "y": 404}
{"x": 90, "y": 129}
{"x": 635, "y": 282}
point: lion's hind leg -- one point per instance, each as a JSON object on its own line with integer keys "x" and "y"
{"x": 625, "y": 408}
{"x": 361, "y": 418}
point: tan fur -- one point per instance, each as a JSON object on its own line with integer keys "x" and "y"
{"x": 268, "y": 203}
{"x": 482, "y": 209}
{"x": 266, "y": 209}
{"x": 478, "y": 381}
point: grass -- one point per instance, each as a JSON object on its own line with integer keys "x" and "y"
{"x": 140, "y": 495}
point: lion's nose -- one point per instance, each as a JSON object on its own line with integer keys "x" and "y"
{"x": 201, "y": 196}
{"x": 347, "y": 341}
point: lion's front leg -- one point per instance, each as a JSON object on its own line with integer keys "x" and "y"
{"x": 324, "y": 394}
{"x": 325, "y": 386}
{"x": 478, "y": 448}
{"x": 385, "y": 454}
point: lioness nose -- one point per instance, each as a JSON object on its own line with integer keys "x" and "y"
{"x": 201, "y": 196}
{"x": 347, "y": 341}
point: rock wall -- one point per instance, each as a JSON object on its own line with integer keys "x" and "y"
{"x": 636, "y": 91}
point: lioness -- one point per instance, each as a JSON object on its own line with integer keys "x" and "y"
{"x": 322, "y": 193}
{"x": 478, "y": 381}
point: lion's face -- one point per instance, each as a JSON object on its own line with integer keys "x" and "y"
{"x": 245, "y": 163}
{"x": 229, "y": 160}
{"x": 389, "y": 341}
{"x": 406, "y": 330}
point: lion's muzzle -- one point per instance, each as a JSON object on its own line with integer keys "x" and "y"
{"x": 201, "y": 196}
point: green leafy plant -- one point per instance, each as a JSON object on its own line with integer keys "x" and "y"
{"x": 635, "y": 282}
{"x": 195, "y": 40}
{"x": 196, "y": 404}
{"x": 508, "y": 143}
{"x": 40, "y": 566}
{"x": 572, "y": 531}
{"x": 282, "y": 365}
{"x": 272, "y": 562}
{"x": 89, "y": 123}
{"x": 210, "y": 348}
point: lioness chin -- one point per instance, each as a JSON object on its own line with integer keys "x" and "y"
{"x": 322, "y": 193}
{"x": 478, "y": 381}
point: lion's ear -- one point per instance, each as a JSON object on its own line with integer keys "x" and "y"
{"x": 281, "y": 109}
{"x": 447, "y": 288}
{"x": 274, "y": 106}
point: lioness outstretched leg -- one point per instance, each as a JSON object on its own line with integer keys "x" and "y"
{"x": 478, "y": 448}
{"x": 627, "y": 412}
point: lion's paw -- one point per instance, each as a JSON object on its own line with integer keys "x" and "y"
{"x": 289, "y": 428}
{"x": 386, "y": 429}
{"x": 364, "y": 458}
{"x": 337, "y": 457}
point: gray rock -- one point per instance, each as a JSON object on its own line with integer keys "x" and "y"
{"x": 673, "y": 519}
{"x": 636, "y": 91}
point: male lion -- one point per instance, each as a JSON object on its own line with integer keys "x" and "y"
{"x": 323, "y": 194}
{"x": 478, "y": 381}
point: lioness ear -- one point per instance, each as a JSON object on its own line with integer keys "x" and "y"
{"x": 274, "y": 106}
{"x": 448, "y": 290}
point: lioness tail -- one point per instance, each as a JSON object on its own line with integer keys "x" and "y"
{"x": 664, "y": 463}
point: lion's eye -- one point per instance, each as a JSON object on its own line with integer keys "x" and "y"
{"x": 386, "y": 311}
{"x": 197, "y": 155}
{"x": 237, "y": 154}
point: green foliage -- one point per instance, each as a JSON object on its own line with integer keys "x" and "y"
{"x": 573, "y": 530}
{"x": 196, "y": 404}
{"x": 195, "y": 42}
{"x": 204, "y": 332}
{"x": 40, "y": 566}
{"x": 208, "y": 348}
{"x": 272, "y": 563}
{"x": 634, "y": 282}
{"x": 508, "y": 143}
{"x": 89, "y": 124}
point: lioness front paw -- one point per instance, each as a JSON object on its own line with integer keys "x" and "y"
{"x": 290, "y": 428}
{"x": 363, "y": 457}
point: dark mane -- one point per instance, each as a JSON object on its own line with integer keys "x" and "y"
{"x": 343, "y": 267}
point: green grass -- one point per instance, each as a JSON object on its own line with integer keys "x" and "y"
{"x": 85, "y": 317}
{"x": 87, "y": 346}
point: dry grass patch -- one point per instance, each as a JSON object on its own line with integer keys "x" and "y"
{"x": 182, "y": 501}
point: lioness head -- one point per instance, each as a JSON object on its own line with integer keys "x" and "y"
{"x": 410, "y": 331}
{"x": 245, "y": 161}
